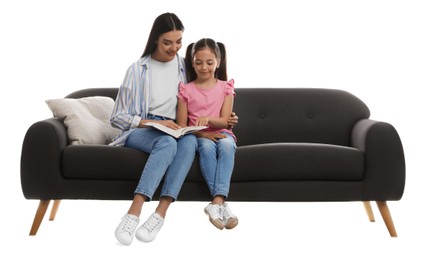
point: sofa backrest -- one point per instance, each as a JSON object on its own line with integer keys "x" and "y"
{"x": 90, "y": 92}
{"x": 268, "y": 115}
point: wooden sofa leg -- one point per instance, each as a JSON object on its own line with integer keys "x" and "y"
{"x": 369, "y": 211}
{"x": 54, "y": 209}
{"x": 39, "y": 215}
{"x": 386, "y": 215}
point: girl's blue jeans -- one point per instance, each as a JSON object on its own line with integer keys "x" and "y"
{"x": 216, "y": 160}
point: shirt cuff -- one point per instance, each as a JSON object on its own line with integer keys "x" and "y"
{"x": 136, "y": 122}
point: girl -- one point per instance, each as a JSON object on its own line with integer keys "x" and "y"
{"x": 208, "y": 101}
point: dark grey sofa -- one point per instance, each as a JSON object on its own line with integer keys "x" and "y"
{"x": 298, "y": 145}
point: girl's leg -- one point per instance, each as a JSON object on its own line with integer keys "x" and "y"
{"x": 226, "y": 149}
{"x": 207, "y": 150}
{"x": 217, "y": 172}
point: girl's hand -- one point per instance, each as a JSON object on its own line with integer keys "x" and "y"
{"x": 201, "y": 121}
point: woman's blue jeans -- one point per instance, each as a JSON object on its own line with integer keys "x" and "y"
{"x": 216, "y": 160}
{"x": 168, "y": 156}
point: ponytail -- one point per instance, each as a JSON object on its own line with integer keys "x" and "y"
{"x": 190, "y": 72}
{"x": 221, "y": 72}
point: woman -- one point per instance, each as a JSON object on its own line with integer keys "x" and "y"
{"x": 149, "y": 94}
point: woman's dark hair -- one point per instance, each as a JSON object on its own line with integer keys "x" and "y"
{"x": 217, "y": 48}
{"x": 164, "y": 23}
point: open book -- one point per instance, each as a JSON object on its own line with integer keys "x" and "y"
{"x": 178, "y": 132}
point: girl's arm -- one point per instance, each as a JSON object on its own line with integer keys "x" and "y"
{"x": 222, "y": 121}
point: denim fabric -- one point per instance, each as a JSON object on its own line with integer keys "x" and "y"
{"x": 168, "y": 156}
{"x": 216, "y": 161}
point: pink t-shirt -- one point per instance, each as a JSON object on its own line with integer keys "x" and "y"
{"x": 205, "y": 102}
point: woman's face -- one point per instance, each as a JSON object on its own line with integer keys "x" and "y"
{"x": 167, "y": 46}
{"x": 205, "y": 63}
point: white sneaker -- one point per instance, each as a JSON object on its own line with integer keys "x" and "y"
{"x": 148, "y": 231}
{"x": 230, "y": 220}
{"x": 215, "y": 214}
{"x": 125, "y": 230}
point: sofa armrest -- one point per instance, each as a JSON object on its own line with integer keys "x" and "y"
{"x": 40, "y": 159}
{"x": 384, "y": 172}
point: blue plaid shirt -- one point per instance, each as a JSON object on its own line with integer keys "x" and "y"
{"x": 132, "y": 102}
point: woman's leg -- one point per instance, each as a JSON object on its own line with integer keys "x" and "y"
{"x": 178, "y": 170}
{"x": 174, "y": 178}
{"x": 162, "y": 149}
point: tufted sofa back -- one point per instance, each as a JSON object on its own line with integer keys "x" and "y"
{"x": 270, "y": 115}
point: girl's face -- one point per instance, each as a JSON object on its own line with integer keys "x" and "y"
{"x": 167, "y": 46}
{"x": 205, "y": 63}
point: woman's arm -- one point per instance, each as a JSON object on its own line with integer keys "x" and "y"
{"x": 121, "y": 116}
{"x": 233, "y": 120}
{"x": 182, "y": 113}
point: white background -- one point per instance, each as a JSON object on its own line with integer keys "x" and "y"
{"x": 373, "y": 49}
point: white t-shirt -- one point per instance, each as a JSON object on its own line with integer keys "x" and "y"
{"x": 165, "y": 81}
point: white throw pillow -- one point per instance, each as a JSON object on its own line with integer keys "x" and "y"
{"x": 86, "y": 119}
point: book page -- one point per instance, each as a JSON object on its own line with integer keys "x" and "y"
{"x": 178, "y": 132}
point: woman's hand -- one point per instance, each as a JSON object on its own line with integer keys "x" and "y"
{"x": 213, "y": 136}
{"x": 233, "y": 120}
{"x": 168, "y": 123}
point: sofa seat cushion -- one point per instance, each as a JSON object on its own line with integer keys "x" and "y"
{"x": 285, "y": 161}
{"x": 297, "y": 161}
{"x": 102, "y": 162}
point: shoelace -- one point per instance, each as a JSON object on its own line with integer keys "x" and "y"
{"x": 129, "y": 225}
{"x": 227, "y": 213}
{"x": 152, "y": 223}
{"x": 219, "y": 210}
